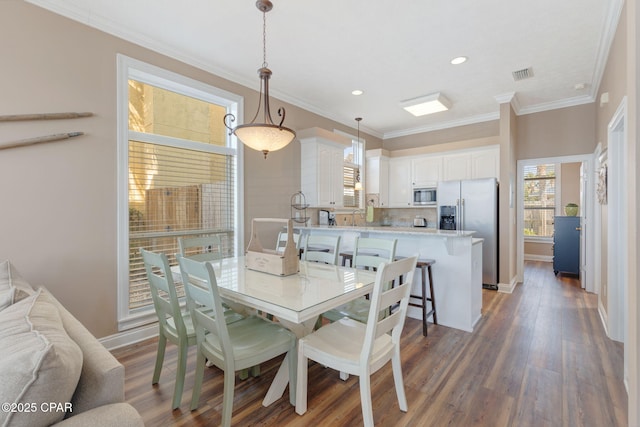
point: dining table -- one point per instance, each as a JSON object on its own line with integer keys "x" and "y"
{"x": 296, "y": 300}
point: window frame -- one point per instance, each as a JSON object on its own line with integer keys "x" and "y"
{"x": 557, "y": 208}
{"x": 129, "y": 68}
{"x": 361, "y": 160}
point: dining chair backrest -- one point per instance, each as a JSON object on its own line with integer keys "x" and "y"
{"x": 203, "y": 297}
{"x": 369, "y": 252}
{"x": 207, "y": 248}
{"x": 382, "y": 298}
{"x": 163, "y": 292}
{"x": 281, "y": 243}
{"x": 320, "y": 248}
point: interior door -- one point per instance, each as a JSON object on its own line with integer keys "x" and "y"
{"x": 583, "y": 223}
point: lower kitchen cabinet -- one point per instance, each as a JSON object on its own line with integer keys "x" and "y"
{"x": 566, "y": 244}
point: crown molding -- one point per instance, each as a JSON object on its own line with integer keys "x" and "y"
{"x": 444, "y": 125}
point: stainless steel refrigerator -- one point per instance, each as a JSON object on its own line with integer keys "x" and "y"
{"x": 473, "y": 205}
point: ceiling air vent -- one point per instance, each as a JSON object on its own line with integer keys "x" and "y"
{"x": 525, "y": 73}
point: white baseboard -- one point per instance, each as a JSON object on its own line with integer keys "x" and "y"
{"x": 129, "y": 337}
{"x": 603, "y": 316}
{"x": 543, "y": 258}
{"x": 507, "y": 288}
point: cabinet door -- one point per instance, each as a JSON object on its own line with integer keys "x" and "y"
{"x": 337, "y": 178}
{"x": 326, "y": 180}
{"x": 456, "y": 166}
{"x": 426, "y": 171}
{"x": 486, "y": 164}
{"x": 377, "y": 179}
{"x": 400, "y": 190}
{"x": 566, "y": 244}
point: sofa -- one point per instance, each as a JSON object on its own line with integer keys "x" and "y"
{"x": 53, "y": 371}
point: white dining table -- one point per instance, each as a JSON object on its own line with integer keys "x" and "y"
{"x": 296, "y": 300}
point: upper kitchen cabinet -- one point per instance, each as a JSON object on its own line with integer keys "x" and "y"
{"x": 377, "y": 176}
{"x": 426, "y": 171}
{"x": 400, "y": 184}
{"x": 322, "y": 167}
{"x": 483, "y": 162}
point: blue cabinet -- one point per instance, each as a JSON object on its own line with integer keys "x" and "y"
{"x": 566, "y": 244}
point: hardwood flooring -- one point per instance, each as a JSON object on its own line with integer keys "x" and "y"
{"x": 538, "y": 357}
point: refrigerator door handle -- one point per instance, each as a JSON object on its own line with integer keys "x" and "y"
{"x": 461, "y": 214}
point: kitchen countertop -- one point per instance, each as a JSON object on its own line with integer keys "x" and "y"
{"x": 421, "y": 231}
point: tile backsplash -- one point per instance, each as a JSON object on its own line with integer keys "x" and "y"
{"x": 398, "y": 217}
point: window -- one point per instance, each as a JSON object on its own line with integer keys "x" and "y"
{"x": 539, "y": 199}
{"x": 178, "y": 175}
{"x": 353, "y": 156}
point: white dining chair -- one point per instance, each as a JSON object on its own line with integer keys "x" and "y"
{"x": 208, "y": 248}
{"x": 368, "y": 253}
{"x": 321, "y": 248}
{"x": 363, "y": 348}
{"x": 231, "y": 347}
{"x": 281, "y": 242}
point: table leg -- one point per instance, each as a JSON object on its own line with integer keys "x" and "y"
{"x": 280, "y": 381}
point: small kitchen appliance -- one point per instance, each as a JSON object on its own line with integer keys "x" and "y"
{"x": 419, "y": 222}
{"x": 424, "y": 196}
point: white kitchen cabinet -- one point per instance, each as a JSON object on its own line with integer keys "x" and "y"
{"x": 456, "y": 166}
{"x": 377, "y": 176}
{"x": 481, "y": 162}
{"x": 400, "y": 186}
{"x": 426, "y": 171}
{"x": 322, "y": 167}
{"x": 485, "y": 163}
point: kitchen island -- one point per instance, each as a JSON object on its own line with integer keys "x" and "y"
{"x": 457, "y": 273}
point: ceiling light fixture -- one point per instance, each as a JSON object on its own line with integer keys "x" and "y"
{"x": 358, "y": 185}
{"x": 428, "y": 104}
{"x": 265, "y": 136}
{"x": 459, "y": 60}
{"x": 357, "y": 92}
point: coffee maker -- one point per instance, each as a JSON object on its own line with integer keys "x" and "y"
{"x": 447, "y": 217}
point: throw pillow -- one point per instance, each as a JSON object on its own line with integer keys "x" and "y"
{"x": 13, "y": 287}
{"x": 39, "y": 364}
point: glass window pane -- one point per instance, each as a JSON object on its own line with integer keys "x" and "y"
{"x": 163, "y": 112}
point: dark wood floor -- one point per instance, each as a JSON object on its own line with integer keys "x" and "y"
{"x": 538, "y": 357}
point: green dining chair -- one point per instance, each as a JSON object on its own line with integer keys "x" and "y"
{"x": 321, "y": 248}
{"x": 175, "y": 325}
{"x": 231, "y": 347}
{"x": 368, "y": 253}
{"x": 208, "y": 248}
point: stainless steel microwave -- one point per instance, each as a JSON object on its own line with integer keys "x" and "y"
{"x": 424, "y": 196}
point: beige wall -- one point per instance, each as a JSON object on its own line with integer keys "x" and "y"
{"x": 58, "y": 212}
{"x": 570, "y": 184}
{"x": 444, "y": 136}
{"x": 562, "y": 132}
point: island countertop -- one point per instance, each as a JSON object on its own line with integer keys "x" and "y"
{"x": 456, "y": 274}
{"x": 420, "y": 231}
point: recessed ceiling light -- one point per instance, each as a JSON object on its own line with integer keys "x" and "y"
{"x": 580, "y": 86}
{"x": 459, "y": 60}
{"x": 424, "y": 105}
{"x": 357, "y": 92}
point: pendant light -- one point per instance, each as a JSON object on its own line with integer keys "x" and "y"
{"x": 358, "y": 185}
{"x": 266, "y": 136}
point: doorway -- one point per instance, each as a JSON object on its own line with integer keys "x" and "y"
{"x": 586, "y": 195}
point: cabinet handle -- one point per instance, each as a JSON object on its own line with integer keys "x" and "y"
{"x": 578, "y": 228}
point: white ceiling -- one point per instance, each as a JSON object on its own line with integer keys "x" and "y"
{"x": 320, "y": 51}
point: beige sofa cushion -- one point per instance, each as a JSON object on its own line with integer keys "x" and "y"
{"x": 39, "y": 363}
{"x": 13, "y": 287}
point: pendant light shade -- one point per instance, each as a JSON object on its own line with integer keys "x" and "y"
{"x": 266, "y": 136}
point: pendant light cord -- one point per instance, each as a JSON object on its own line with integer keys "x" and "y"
{"x": 264, "y": 40}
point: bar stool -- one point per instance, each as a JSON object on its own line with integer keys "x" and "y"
{"x": 425, "y": 266}
{"x": 348, "y": 255}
